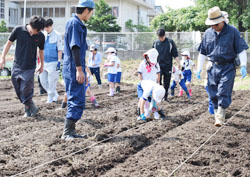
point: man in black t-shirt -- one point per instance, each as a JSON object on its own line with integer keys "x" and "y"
{"x": 167, "y": 50}
{"x": 28, "y": 38}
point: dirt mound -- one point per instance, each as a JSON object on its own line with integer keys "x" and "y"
{"x": 119, "y": 145}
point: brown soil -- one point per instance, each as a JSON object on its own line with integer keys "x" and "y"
{"x": 154, "y": 148}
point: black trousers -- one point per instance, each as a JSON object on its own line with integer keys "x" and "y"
{"x": 23, "y": 82}
{"x": 165, "y": 79}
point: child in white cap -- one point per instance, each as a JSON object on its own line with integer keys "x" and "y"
{"x": 111, "y": 64}
{"x": 178, "y": 78}
{"x": 149, "y": 69}
{"x": 150, "y": 92}
{"x": 187, "y": 65}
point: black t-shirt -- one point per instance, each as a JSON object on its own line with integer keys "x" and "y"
{"x": 167, "y": 50}
{"x": 26, "y": 47}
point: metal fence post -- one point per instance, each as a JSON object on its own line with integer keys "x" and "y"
{"x": 133, "y": 41}
{"x": 103, "y": 42}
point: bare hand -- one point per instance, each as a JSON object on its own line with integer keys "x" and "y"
{"x": 2, "y": 63}
{"x": 80, "y": 76}
{"x": 39, "y": 70}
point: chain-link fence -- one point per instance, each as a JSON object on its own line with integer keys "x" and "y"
{"x": 138, "y": 41}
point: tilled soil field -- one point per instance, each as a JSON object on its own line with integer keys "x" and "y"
{"x": 119, "y": 145}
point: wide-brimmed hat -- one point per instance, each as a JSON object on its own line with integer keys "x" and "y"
{"x": 215, "y": 16}
{"x": 92, "y": 48}
{"x": 152, "y": 55}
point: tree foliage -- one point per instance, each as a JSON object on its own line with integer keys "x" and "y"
{"x": 136, "y": 28}
{"x": 193, "y": 18}
{"x": 3, "y": 27}
{"x": 103, "y": 20}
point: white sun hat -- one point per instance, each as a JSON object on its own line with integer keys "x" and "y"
{"x": 110, "y": 50}
{"x": 158, "y": 93}
{"x": 152, "y": 55}
{"x": 186, "y": 53}
{"x": 215, "y": 16}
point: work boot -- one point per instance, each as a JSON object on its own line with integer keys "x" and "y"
{"x": 188, "y": 94}
{"x": 118, "y": 89}
{"x": 27, "y": 111}
{"x": 33, "y": 109}
{"x": 68, "y": 130}
{"x": 220, "y": 117}
{"x": 73, "y": 131}
{"x": 162, "y": 114}
{"x": 181, "y": 92}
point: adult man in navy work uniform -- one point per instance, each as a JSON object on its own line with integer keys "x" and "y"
{"x": 74, "y": 74}
{"x": 27, "y": 38}
{"x": 221, "y": 43}
{"x": 167, "y": 50}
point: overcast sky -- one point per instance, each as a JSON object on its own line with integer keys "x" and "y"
{"x": 175, "y": 4}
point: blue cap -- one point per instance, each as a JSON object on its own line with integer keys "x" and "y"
{"x": 86, "y": 3}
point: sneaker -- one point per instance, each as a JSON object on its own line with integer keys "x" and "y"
{"x": 67, "y": 137}
{"x": 110, "y": 95}
{"x": 55, "y": 98}
{"x": 99, "y": 86}
{"x": 156, "y": 115}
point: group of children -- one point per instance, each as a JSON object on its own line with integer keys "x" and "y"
{"x": 151, "y": 93}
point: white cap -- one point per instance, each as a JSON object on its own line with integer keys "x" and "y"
{"x": 92, "y": 47}
{"x": 158, "y": 93}
{"x": 110, "y": 50}
{"x": 186, "y": 53}
{"x": 152, "y": 55}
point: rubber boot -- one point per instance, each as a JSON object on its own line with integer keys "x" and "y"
{"x": 33, "y": 109}
{"x": 172, "y": 93}
{"x": 162, "y": 114}
{"x": 94, "y": 102}
{"x": 73, "y": 131}
{"x": 188, "y": 94}
{"x": 181, "y": 92}
{"x": 211, "y": 108}
{"x": 118, "y": 89}
{"x": 220, "y": 117}
{"x": 64, "y": 105}
{"x": 27, "y": 111}
{"x": 138, "y": 114}
{"x": 68, "y": 130}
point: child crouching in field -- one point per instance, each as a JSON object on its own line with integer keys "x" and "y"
{"x": 187, "y": 65}
{"x": 178, "y": 78}
{"x": 149, "y": 70}
{"x": 112, "y": 69}
{"x": 149, "y": 91}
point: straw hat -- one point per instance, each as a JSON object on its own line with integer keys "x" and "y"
{"x": 215, "y": 16}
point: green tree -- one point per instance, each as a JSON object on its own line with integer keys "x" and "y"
{"x": 185, "y": 19}
{"x": 139, "y": 28}
{"x": 238, "y": 11}
{"x": 103, "y": 20}
{"x": 3, "y": 27}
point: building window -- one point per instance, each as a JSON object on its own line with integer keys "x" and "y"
{"x": 2, "y": 9}
{"x": 72, "y": 10}
{"x": 115, "y": 11}
{"x": 59, "y": 12}
{"x": 45, "y": 12}
{"x": 13, "y": 16}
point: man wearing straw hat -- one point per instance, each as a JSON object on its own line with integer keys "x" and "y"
{"x": 221, "y": 44}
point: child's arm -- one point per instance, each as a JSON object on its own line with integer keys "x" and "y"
{"x": 140, "y": 76}
{"x": 118, "y": 65}
{"x": 142, "y": 104}
{"x": 109, "y": 64}
{"x": 158, "y": 78}
{"x": 88, "y": 71}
